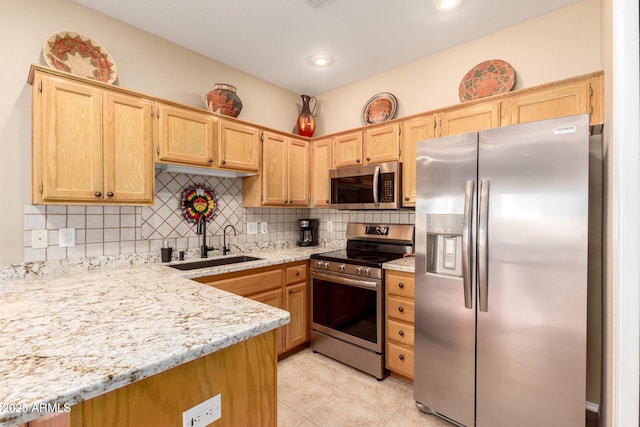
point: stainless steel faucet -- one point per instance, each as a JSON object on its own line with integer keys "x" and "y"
{"x": 225, "y": 249}
{"x": 202, "y": 229}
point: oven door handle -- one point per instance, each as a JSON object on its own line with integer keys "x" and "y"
{"x": 345, "y": 281}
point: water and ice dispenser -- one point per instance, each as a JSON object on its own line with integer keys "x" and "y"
{"x": 444, "y": 244}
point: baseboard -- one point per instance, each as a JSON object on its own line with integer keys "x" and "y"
{"x": 592, "y": 407}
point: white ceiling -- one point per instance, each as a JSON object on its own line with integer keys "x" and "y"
{"x": 273, "y": 39}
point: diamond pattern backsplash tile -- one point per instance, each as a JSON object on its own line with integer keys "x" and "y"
{"x": 164, "y": 220}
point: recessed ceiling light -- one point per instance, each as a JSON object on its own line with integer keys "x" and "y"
{"x": 320, "y": 60}
{"x": 445, "y": 5}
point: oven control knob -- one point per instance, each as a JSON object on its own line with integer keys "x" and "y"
{"x": 359, "y": 270}
{"x": 325, "y": 265}
{"x": 366, "y": 271}
{"x": 342, "y": 267}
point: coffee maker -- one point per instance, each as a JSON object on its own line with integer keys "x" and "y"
{"x": 308, "y": 232}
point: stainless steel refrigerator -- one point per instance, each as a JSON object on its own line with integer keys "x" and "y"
{"x": 501, "y": 275}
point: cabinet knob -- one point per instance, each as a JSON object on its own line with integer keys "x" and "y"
{"x": 224, "y": 162}
{"x": 406, "y": 199}
{"x": 327, "y": 201}
{"x": 401, "y": 357}
{"x": 401, "y": 333}
{"x": 98, "y": 194}
{"x": 290, "y": 291}
{"x": 357, "y": 160}
{"x": 286, "y": 201}
{"x": 368, "y": 159}
{"x": 110, "y": 194}
{"x": 297, "y": 273}
{"x": 401, "y": 309}
{"x": 401, "y": 285}
{"x": 210, "y": 160}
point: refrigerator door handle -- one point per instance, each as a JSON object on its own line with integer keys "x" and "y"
{"x": 483, "y": 223}
{"x": 376, "y": 182}
{"x": 466, "y": 244}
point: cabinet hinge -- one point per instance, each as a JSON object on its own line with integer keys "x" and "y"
{"x": 399, "y": 131}
{"x": 262, "y": 198}
{"x": 261, "y": 136}
{"x": 590, "y": 109}
{"x": 158, "y": 113}
{"x": 158, "y": 150}
{"x": 41, "y": 188}
{"x": 40, "y": 86}
{"x": 590, "y": 91}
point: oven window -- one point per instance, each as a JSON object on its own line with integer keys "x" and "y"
{"x": 348, "y": 309}
{"x": 352, "y": 189}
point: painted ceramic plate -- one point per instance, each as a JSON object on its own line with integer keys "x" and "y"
{"x": 79, "y": 55}
{"x": 199, "y": 201}
{"x": 379, "y": 108}
{"x": 486, "y": 79}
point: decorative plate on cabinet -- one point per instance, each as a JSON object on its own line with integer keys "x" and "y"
{"x": 486, "y": 79}
{"x": 79, "y": 55}
{"x": 379, "y": 108}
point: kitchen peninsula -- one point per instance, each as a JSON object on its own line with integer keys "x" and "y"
{"x": 131, "y": 343}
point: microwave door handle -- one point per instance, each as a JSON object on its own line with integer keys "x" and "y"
{"x": 376, "y": 183}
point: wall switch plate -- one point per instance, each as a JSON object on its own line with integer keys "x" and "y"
{"x": 329, "y": 225}
{"x": 203, "y": 413}
{"x": 67, "y": 237}
{"x": 39, "y": 239}
{"x": 252, "y": 228}
{"x": 263, "y": 228}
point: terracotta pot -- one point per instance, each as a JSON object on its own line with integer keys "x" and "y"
{"x": 223, "y": 100}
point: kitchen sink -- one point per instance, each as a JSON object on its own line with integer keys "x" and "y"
{"x": 214, "y": 262}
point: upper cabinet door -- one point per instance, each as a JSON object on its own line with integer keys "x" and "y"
{"x": 381, "y": 144}
{"x": 347, "y": 150}
{"x": 413, "y": 130}
{"x": 274, "y": 170}
{"x": 128, "y": 145}
{"x": 186, "y": 136}
{"x": 470, "y": 118}
{"x": 560, "y": 101}
{"x": 67, "y": 142}
{"x": 298, "y": 173}
{"x": 320, "y": 165}
{"x": 238, "y": 146}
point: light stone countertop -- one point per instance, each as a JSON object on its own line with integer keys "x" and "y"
{"x": 406, "y": 264}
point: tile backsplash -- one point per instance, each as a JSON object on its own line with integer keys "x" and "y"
{"x": 120, "y": 230}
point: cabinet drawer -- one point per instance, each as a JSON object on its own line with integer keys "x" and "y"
{"x": 400, "y": 308}
{"x": 401, "y": 284}
{"x": 400, "y": 360}
{"x": 296, "y": 273}
{"x": 249, "y": 284}
{"x": 399, "y": 332}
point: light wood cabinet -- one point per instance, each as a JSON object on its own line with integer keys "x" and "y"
{"x": 470, "y": 118}
{"x": 89, "y": 145}
{"x": 185, "y": 136}
{"x": 285, "y": 172}
{"x": 413, "y": 130}
{"x": 346, "y": 150}
{"x": 563, "y": 100}
{"x": 320, "y": 166}
{"x": 296, "y": 302}
{"x": 285, "y": 287}
{"x": 399, "y": 320}
{"x": 238, "y": 146}
{"x": 381, "y": 143}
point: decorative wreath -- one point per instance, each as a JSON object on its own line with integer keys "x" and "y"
{"x": 199, "y": 201}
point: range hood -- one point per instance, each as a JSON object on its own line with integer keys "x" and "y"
{"x": 191, "y": 170}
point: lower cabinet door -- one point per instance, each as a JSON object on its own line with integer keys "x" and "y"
{"x": 274, "y": 299}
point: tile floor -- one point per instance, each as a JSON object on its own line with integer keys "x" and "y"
{"x": 314, "y": 390}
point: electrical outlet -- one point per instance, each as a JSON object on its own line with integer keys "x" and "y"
{"x": 203, "y": 413}
{"x": 39, "y": 239}
{"x": 252, "y": 228}
{"x": 263, "y": 228}
{"x": 67, "y": 237}
{"x": 329, "y": 226}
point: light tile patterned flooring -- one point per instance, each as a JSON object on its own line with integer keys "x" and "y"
{"x": 314, "y": 390}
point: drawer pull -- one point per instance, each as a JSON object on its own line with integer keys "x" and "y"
{"x": 401, "y": 285}
{"x": 401, "y": 333}
{"x": 401, "y": 309}
{"x": 401, "y": 357}
{"x": 297, "y": 273}
{"x": 290, "y": 291}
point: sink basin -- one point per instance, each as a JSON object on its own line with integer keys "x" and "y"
{"x": 214, "y": 262}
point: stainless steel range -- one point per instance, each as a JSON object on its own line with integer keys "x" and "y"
{"x": 347, "y": 295}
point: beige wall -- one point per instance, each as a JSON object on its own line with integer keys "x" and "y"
{"x": 562, "y": 44}
{"x": 145, "y": 63}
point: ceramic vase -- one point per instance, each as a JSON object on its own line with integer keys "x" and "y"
{"x": 306, "y": 122}
{"x": 223, "y": 100}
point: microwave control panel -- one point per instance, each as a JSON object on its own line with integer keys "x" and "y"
{"x": 387, "y": 188}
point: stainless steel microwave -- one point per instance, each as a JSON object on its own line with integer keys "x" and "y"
{"x": 376, "y": 186}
